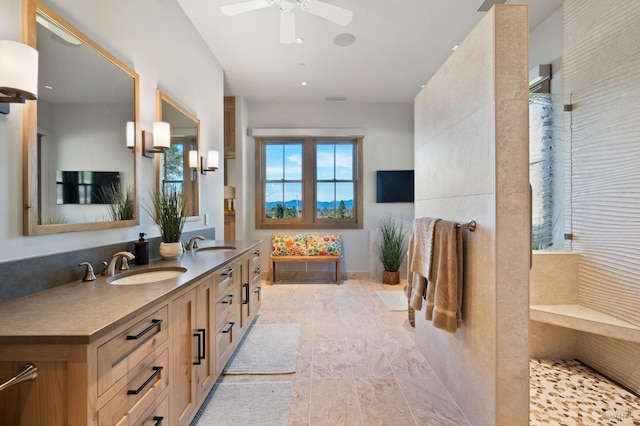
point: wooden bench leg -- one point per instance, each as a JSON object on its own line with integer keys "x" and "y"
{"x": 273, "y": 273}
{"x": 338, "y": 272}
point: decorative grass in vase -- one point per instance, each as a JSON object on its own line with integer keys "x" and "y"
{"x": 169, "y": 213}
{"x": 391, "y": 249}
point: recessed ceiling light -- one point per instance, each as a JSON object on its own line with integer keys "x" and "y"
{"x": 422, "y": 85}
{"x": 303, "y": 83}
{"x": 455, "y": 47}
{"x": 344, "y": 39}
{"x": 48, "y": 87}
{"x": 299, "y": 40}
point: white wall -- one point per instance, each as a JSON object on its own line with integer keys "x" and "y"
{"x": 157, "y": 40}
{"x": 388, "y": 145}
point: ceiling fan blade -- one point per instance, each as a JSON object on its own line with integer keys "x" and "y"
{"x": 247, "y": 6}
{"x": 287, "y": 27}
{"x": 328, "y": 11}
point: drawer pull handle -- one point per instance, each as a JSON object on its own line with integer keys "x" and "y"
{"x": 246, "y": 292}
{"x": 199, "y": 337}
{"x": 229, "y": 299}
{"x": 154, "y": 323}
{"x": 156, "y": 371}
{"x": 204, "y": 342}
{"x": 229, "y": 272}
{"x": 257, "y": 252}
{"x": 258, "y": 269}
{"x": 28, "y": 371}
{"x": 158, "y": 420}
{"x": 231, "y": 324}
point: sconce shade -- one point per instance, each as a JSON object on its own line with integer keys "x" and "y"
{"x": 193, "y": 159}
{"x": 131, "y": 134}
{"x": 229, "y": 192}
{"x": 161, "y": 135}
{"x": 18, "y": 71}
{"x": 213, "y": 159}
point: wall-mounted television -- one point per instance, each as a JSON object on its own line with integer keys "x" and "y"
{"x": 394, "y": 186}
{"x": 85, "y": 187}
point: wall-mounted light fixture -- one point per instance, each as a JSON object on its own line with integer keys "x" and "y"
{"x": 193, "y": 160}
{"x": 229, "y": 197}
{"x": 158, "y": 141}
{"x": 210, "y": 162}
{"x": 131, "y": 134}
{"x": 18, "y": 73}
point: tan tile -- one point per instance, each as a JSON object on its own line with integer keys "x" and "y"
{"x": 368, "y": 359}
{"x": 382, "y": 402}
{"x": 334, "y": 402}
{"x": 429, "y": 401}
{"x": 330, "y": 359}
{"x": 300, "y": 402}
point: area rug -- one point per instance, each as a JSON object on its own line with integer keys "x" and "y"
{"x": 246, "y": 404}
{"x": 393, "y": 300}
{"x": 266, "y": 349}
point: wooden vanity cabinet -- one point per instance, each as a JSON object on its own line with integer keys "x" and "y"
{"x": 89, "y": 384}
{"x": 193, "y": 359}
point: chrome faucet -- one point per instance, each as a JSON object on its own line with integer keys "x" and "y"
{"x": 88, "y": 273}
{"x": 110, "y": 270}
{"x": 193, "y": 242}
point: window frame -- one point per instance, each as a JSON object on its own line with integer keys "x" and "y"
{"x": 309, "y": 184}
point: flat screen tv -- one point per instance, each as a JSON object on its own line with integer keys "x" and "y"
{"x": 394, "y": 186}
{"x": 85, "y": 187}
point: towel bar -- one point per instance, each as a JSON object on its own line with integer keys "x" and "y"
{"x": 471, "y": 226}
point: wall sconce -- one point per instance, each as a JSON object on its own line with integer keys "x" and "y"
{"x": 193, "y": 160}
{"x": 18, "y": 73}
{"x": 131, "y": 135}
{"x": 229, "y": 196}
{"x": 210, "y": 163}
{"x": 158, "y": 141}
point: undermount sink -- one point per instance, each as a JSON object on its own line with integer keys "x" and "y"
{"x": 146, "y": 276}
{"x": 216, "y": 249}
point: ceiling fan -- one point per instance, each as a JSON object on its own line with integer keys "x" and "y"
{"x": 319, "y": 8}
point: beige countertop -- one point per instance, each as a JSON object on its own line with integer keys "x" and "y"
{"x": 81, "y": 312}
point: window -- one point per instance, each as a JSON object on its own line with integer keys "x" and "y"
{"x": 175, "y": 173}
{"x": 309, "y": 182}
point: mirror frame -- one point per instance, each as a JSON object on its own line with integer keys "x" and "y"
{"x": 31, "y": 225}
{"x": 163, "y": 97}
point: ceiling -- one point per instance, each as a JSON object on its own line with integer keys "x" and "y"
{"x": 399, "y": 45}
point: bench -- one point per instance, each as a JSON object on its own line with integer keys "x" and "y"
{"x": 306, "y": 248}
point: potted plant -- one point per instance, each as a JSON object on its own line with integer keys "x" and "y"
{"x": 120, "y": 203}
{"x": 169, "y": 213}
{"x": 391, "y": 251}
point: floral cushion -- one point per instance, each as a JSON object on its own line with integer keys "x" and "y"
{"x": 324, "y": 245}
{"x": 289, "y": 245}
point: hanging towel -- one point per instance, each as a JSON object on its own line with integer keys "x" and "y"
{"x": 419, "y": 259}
{"x": 444, "y": 290}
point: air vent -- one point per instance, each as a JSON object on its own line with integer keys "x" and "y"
{"x": 335, "y": 98}
{"x": 489, "y": 3}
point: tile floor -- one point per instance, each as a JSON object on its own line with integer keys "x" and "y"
{"x": 358, "y": 365}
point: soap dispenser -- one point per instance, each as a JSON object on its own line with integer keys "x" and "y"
{"x": 142, "y": 250}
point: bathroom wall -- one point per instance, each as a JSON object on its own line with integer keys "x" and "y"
{"x": 471, "y": 157}
{"x": 601, "y": 68}
{"x": 157, "y": 40}
{"x": 388, "y": 145}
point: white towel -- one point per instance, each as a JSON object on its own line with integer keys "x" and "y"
{"x": 419, "y": 259}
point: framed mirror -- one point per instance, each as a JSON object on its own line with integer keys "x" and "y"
{"x": 175, "y": 167}
{"x": 79, "y": 173}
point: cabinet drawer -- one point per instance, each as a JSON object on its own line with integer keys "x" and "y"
{"x": 141, "y": 393}
{"x": 224, "y": 280}
{"x": 225, "y": 343}
{"x": 226, "y": 306}
{"x": 118, "y": 355}
{"x": 157, "y": 415}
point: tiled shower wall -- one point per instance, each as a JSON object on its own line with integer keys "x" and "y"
{"x": 471, "y": 162}
{"x": 601, "y": 69}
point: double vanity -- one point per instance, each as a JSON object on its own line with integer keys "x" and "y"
{"x": 144, "y": 346}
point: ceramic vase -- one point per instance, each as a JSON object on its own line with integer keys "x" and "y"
{"x": 170, "y": 251}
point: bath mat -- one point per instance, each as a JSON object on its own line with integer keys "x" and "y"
{"x": 266, "y": 349}
{"x": 393, "y": 300}
{"x": 246, "y": 404}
